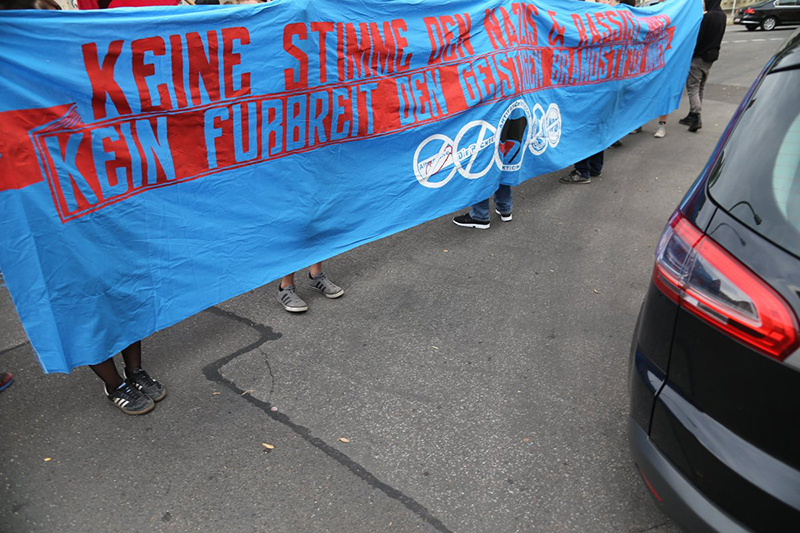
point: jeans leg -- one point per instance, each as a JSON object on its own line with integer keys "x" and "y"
{"x": 706, "y": 69}
{"x": 583, "y": 167}
{"x": 596, "y": 162}
{"x": 693, "y": 85}
{"x": 502, "y": 199}
{"x": 480, "y": 211}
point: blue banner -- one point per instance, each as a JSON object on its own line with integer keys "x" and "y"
{"x": 155, "y": 162}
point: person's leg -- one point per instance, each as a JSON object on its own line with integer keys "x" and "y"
{"x": 477, "y": 217}
{"x": 287, "y": 280}
{"x": 480, "y": 211}
{"x": 596, "y": 164}
{"x": 120, "y": 393}
{"x": 502, "y": 200}
{"x": 661, "y": 131}
{"x": 139, "y": 378}
{"x": 107, "y": 372}
{"x": 287, "y": 295}
{"x": 702, "y": 68}
{"x": 132, "y": 355}
{"x": 318, "y": 281}
{"x": 580, "y": 174}
{"x": 693, "y": 85}
{"x": 584, "y": 166}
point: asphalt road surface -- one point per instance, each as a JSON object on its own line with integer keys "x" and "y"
{"x": 480, "y": 377}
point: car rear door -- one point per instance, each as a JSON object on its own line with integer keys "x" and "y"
{"x": 734, "y": 393}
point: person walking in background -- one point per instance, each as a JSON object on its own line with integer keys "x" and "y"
{"x": 706, "y": 51}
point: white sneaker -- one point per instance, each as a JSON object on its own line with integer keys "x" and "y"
{"x": 661, "y": 131}
{"x": 504, "y": 218}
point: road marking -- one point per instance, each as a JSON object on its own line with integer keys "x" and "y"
{"x": 753, "y": 40}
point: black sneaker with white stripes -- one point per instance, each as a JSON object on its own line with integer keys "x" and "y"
{"x": 141, "y": 381}
{"x": 130, "y": 401}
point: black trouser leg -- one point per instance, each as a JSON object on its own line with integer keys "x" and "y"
{"x": 108, "y": 373}
{"x": 132, "y": 356}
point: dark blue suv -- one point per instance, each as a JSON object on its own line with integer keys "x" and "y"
{"x": 715, "y": 363}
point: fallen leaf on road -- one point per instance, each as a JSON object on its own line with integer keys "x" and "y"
{"x": 247, "y": 391}
{"x": 526, "y": 439}
{"x": 47, "y": 459}
{"x": 343, "y": 439}
{"x": 268, "y": 446}
{"x": 596, "y": 291}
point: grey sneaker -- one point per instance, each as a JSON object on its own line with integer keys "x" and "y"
{"x": 290, "y": 300}
{"x": 129, "y": 400}
{"x": 325, "y": 286}
{"x": 575, "y": 177}
{"x": 141, "y": 381}
{"x": 661, "y": 131}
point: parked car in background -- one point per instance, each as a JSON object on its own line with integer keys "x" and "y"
{"x": 767, "y": 15}
{"x": 714, "y": 379}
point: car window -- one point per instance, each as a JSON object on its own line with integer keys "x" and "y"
{"x": 757, "y": 179}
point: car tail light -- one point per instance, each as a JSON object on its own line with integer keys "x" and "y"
{"x": 749, "y": 11}
{"x": 703, "y": 278}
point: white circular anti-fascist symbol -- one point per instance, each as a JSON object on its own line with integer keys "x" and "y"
{"x": 552, "y": 125}
{"x": 436, "y": 167}
{"x": 538, "y": 140}
{"x": 514, "y": 134}
{"x": 471, "y": 149}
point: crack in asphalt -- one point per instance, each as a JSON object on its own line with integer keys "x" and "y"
{"x": 664, "y": 523}
{"x": 212, "y": 373}
{"x": 20, "y": 345}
